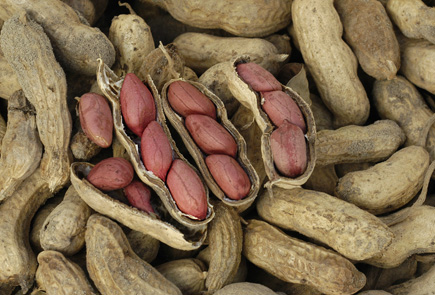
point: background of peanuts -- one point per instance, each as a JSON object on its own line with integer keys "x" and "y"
{"x": 379, "y": 278}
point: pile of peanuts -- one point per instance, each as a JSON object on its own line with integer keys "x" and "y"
{"x": 217, "y": 147}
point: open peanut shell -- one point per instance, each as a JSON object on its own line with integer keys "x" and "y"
{"x": 110, "y": 84}
{"x": 252, "y": 100}
{"x": 172, "y": 234}
{"x": 177, "y": 122}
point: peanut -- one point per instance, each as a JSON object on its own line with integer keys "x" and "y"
{"x": 297, "y": 261}
{"x": 58, "y": 275}
{"x": 64, "y": 228}
{"x": 111, "y": 174}
{"x": 289, "y": 150}
{"x": 257, "y": 77}
{"x": 145, "y": 246}
{"x": 96, "y": 119}
{"x": 422, "y": 285}
{"x": 187, "y": 274}
{"x": 138, "y": 195}
{"x": 245, "y": 288}
{"x": 388, "y": 185}
{"x": 156, "y": 150}
{"x": 137, "y": 104}
{"x": 186, "y": 99}
{"x": 414, "y": 18}
{"x": 369, "y": 31}
{"x": 423, "y": 219}
{"x": 317, "y": 26}
{"x": 356, "y": 144}
{"x": 82, "y": 147}
{"x": 113, "y": 265}
{"x": 229, "y": 175}
{"x": 279, "y": 106}
{"x": 349, "y": 230}
{"x": 201, "y": 51}
{"x": 187, "y": 189}
{"x": 210, "y": 136}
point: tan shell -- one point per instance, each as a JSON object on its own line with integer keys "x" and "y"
{"x": 178, "y": 123}
{"x": 251, "y": 100}
{"x": 349, "y": 230}
{"x": 111, "y": 85}
{"x": 145, "y": 246}
{"x": 245, "y": 288}
{"x": 58, "y": 275}
{"x": 424, "y": 284}
{"x": 168, "y": 232}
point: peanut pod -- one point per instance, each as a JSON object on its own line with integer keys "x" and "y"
{"x": 77, "y": 45}
{"x": 418, "y": 58}
{"x": 64, "y": 228}
{"x": 111, "y": 85}
{"x": 252, "y": 101}
{"x": 58, "y": 275}
{"x": 201, "y": 51}
{"x": 317, "y": 26}
{"x": 178, "y": 123}
{"x": 19, "y": 36}
{"x": 296, "y": 261}
{"x": 358, "y": 144}
{"x": 225, "y": 240}
{"x": 413, "y": 235}
{"x": 21, "y": 149}
{"x": 132, "y": 38}
{"x": 349, "y": 230}
{"x": 245, "y": 288}
{"x": 188, "y": 274}
{"x": 145, "y": 246}
{"x": 8, "y": 79}
{"x": 388, "y": 185}
{"x": 369, "y": 31}
{"x": 231, "y": 16}
{"x": 113, "y": 265}
{"x": 82, "y": 147}
{"x": 165, "y": 230}
{"x": 422, "y": 285}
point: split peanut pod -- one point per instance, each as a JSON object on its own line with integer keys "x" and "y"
{"x": 274, "y": 135}
{"x": 110, "y": 85}
{"x": 193, "y": 128}
{"x": 168, "y": 232}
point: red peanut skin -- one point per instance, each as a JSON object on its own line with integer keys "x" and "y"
{"x": 186, "y": 99}
{"x": 96, "y": 119}
{"x": 111, "y": 174}
{"x": 187, "y": 189}
{"x": 210, "y": 136}
{"x": 257, "y": 77}
{"x": 156, "y": 151}
{"x": 139, "y": 195}
{"x": 229, "y": 175}
{"x": 137, "y": 104}
{"x": 289, "y": 150}
{"x": 279, "y": 106}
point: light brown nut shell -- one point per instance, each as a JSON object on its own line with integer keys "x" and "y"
{"x": 111, "y": 85}
{"x": 330, "y": 60}
{"x": 245, "y": 288}
{"x": 8, "y": 79}
{"x": 388, "y": 185}
{"x": 201, "y": 51}
{"x": 187, "y": 274}
{"x": 296, "y": 261}
{"x": 178, "y": 123}
{"x": 413, "y": 235}
{"x": 252, "y": 101}
{"x": 356, "y": 144}
{"x": 424, "y": 284}
{"x": 225, "y": 240}
{"x": 233, "y": 17}
{"x": 400, "y": 101}
{"x": 168, "y": 232}
{"x": 349, "y": 230}
{"x": 145, "y": 246}
{"x": 369, "y": 31}
{"x": 418, "y": 62}
{"x": 58, "y": 275}
{"x": 115, "y": 268}
{"x": 64, "y": 228}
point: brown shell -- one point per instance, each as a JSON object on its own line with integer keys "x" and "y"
{"x": 252, "y": 100}
{"x": 178, "y": 123}
{"x": 173, "y": 234}
{"x": 111, "y": 84}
